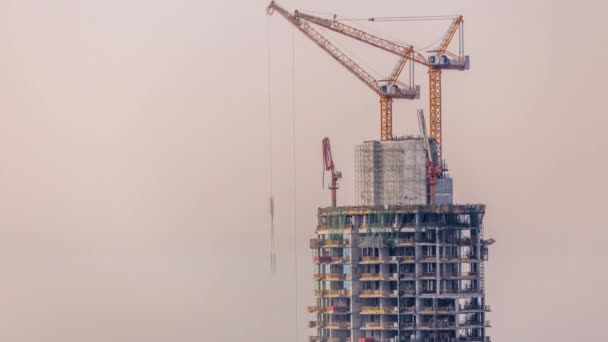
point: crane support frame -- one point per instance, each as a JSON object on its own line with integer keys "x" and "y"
{"x": 367, "y": 38}
{"x": 386, "y": 118}
{"x": 447, "y": 38}
{"x": 435, "y": 108}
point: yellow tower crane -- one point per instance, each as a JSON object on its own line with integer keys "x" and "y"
{"x": 440, "y": 59}
{"x": 388, "y": 89}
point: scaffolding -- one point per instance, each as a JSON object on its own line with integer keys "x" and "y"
{"x": 391, "y": 172}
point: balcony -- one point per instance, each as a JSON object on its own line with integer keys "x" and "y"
{"x": 376, "y": 310}
{"x": 428, "y": 258}
{"x": 461, "y": 291}
{"x": 428, "y": 275}
{"x": 411, "y": 275}
{"x": 373, "y": 260}
{"x": 407, "y": 292}
{"x": 378, "y": 276}
{"x": 327, "y": 339}
{"x": 325, "y": 229}
{"x": 366, "y": 242}
{"x": 316, "y": 243}
{"x": 337, "y": 325}
{"x": 464, "y": 258}
{"x": 387, "y": 259}
{"x": 466, "y": 308}
{"x": 474, "y": 339}
{"x": 468, "y": 324}
{"x": 379, "y": 326}
{"x": 332, "y": 293}
{"x": 459, "y": 275}
{"x": 325, "y": 259}
{"x": 428, "y": 291}
{"x": 408, "y": 309}
{"x": 332, "y": 276}
{"x": 465, "y": 241}
{"x": 404, "y": 242}
{"x": 329, "y": 325}
{"x": 331, "y": 309}
{"x": 436, "y": 325}
{"x": 408, "y": 326}
{"x": 436, "y": 310}
{"x": 382, "y": 339}
{"x": 316, "y": 324}
{"x": 407, "y": 258}
{"x": 378, "y": 293}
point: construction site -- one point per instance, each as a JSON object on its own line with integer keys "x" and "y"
{"x": 403, "y": 262}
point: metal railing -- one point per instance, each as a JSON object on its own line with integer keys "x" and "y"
{"x": 378, "y": 293}
{"x": 475, "y": 308}
{"x": 378, "y": 310}
{"x": 445, "y": 309}
{"x": 332, "y": 276}
{"x": 325, "y": 259}
{"x": 328, "y": 309}
{"x": 378, "y": 276}
{"x": 332, "y": 293}
{"x": 380, "y": 325}
{"x": 317, "y": 243}
{"x": 439, "y": 324}
{"x": 327, "y": 339}
{"x": 337, "y": 325}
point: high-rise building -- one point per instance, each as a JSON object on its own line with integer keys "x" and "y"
{"x": 396, "y": 268}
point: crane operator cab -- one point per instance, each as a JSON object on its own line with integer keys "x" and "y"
{"x": 399, "y": 92}
{"x": 444, "y": 62}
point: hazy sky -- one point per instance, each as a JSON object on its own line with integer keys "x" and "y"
{"x": 134, "y": 163}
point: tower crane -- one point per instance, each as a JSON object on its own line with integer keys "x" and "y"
{"x": 388, "y": 89}
{"x": 328, "y": 165}
{"x": 440, "y": 59}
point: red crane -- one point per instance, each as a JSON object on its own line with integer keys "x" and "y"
{"x": 328, "y": 165}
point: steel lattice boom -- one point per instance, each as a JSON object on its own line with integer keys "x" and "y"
{"x": 388, "y": 91}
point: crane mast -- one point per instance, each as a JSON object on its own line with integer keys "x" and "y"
{"x": 443, "y": 59}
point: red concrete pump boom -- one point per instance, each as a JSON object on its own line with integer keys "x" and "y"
{"x": 328, "y": 165}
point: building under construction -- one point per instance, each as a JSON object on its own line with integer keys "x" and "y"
{"x": 405, "y": 263}
{"x": 399, "y": 273}
{"x": 393, "y": 267}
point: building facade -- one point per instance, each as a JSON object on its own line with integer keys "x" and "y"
{"x": 399, "y": 273}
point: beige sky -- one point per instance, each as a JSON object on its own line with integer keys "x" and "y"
{"x": 134, "y": 164}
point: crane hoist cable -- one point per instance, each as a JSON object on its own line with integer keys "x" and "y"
{"x": 410, "y": 18}
{"x": 273, "y": 260}
{"x": 294, "y": 165}
{"x": 295, "y": 185}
